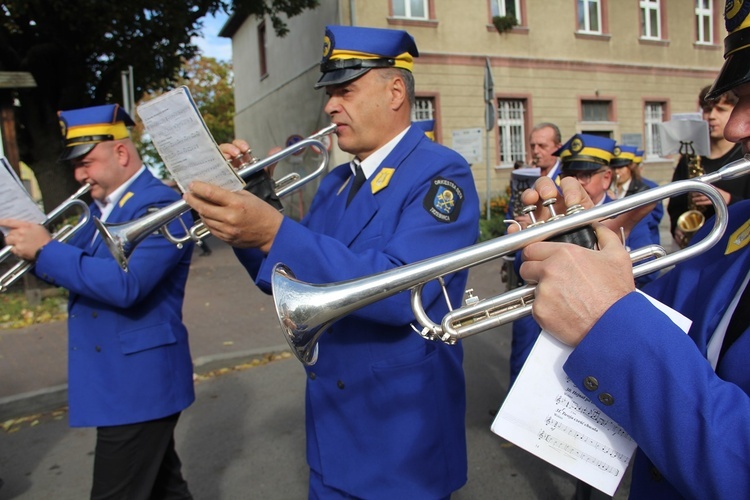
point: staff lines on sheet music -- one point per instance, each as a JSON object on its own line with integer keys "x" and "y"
{"x": 592, "y": 413}
{"x": 572, "y": 450}
{"x": 556, "y": 424}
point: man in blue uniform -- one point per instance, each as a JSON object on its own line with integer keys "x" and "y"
{"x": 384, "y": 408}
{"x": 129, "y": 368}
{"x": 685, "y": 399}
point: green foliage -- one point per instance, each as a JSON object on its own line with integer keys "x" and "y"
{"x": 504, "y": 23}
{"x": 15, "y": 311}
{"x": 211, "y": 83}
{"x": 77, "y": 49}
{"x": 495, "y": 225}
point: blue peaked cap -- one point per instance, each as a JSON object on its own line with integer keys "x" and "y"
{"x": 351, "y": 51}
{"x": 82, "y": 129}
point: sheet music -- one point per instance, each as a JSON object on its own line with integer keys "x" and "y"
{"x": 521, "y": 179}
{"x": 547, "y": 415}
{"x": 184, "y": 142}
{"x": 15, "y": 201}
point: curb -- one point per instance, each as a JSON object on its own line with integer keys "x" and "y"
{"x": 53, "y": 398}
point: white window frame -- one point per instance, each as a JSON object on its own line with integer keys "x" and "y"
{"x": 424, "y": 109}
{"x": 654, "y": 114}
{"x": 498, "y": 9}
{"x": 704, "y": 16}
{"x": 584, "y": 12}
{"x": 407, "y": 9}
{"x": 649, "y": 7}
{"x": 511, "y": 124}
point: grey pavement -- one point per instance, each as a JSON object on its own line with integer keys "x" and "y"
{"x": 244, "y": 437}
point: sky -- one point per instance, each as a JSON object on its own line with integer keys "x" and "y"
{"x": 211, "y": 44}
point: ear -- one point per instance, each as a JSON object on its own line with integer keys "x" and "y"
{"x": 121, "y": 153}
{"x": 397, "y": 88}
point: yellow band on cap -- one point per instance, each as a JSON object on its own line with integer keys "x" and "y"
{"x": 405, "y": 60}
{"x": 588, "y": 153}
{"x": 116, "y": 130}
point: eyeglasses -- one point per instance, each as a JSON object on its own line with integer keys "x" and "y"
{"x": 584, "y": 177}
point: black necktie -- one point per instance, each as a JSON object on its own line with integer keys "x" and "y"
{"x": 738, "y": 323}
{"x": 359, "y": 179}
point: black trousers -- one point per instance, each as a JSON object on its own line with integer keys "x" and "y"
{"x": 138, "y": 462}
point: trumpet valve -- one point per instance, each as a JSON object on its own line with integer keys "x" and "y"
{"x": 529, "y": 210}
{"x": 243, "y": 160}
{"x": 471, "y": 299}
{"x": 550, "y": 204}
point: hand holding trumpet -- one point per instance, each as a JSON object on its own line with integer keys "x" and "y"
{"x": 575, "y": 285}
{"x": 239, "y": 218}
{"x": 25, "y": 238}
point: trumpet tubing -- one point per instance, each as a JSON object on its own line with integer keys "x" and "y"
{"x": 306, "y": 310}
{"x": 123, "y": 238}
{"x": 21, "y": 267}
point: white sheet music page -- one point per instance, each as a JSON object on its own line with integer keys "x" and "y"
{"x": 184, "y": 143}
{"x": 547, "y": 415}
{"x": 15, "y": 202}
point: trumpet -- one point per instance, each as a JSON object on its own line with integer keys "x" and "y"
{"x": 122, "y": 238}
{"x": 63, "y": 234}
{"x": 306, "y": 310}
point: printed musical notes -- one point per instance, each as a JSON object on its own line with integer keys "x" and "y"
{"x": 184, "y": 142}
{"x": 547, "y": 415}
{"x": 15, "y": 202}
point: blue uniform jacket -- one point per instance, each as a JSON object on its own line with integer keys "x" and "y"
{"x": 128, "y": 354}
{"x": 692, "y": 425}
{"x": 384, "y": 408}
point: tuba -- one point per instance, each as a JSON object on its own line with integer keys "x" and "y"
{"x": 693, "y": 219}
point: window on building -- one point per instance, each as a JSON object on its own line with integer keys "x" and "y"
{"x": 590, "y": 16}
{"x": 412, "y": 9}
{"x": 596, "y": 111}
{"x": 512, "y": 130}
{"x": 424, "y": 109}
{"x": 654, "y": 114}
{"x": 506, "y": 8}
{"x": 651, "y": 19}
{"x": 704, "y": 21}
{"x": 262, "y": 49}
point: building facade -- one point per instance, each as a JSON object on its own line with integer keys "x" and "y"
{"x": 615, "y": 68}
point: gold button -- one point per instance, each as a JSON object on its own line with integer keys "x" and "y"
{"x": 606, "y": 399}
{"x": 591, "y": 383}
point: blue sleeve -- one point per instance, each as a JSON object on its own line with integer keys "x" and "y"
{"x": 690, "y": 423}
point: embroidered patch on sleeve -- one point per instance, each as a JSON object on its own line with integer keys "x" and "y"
{"x": 443, "y": 200}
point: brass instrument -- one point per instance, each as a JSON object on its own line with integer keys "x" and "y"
{"x": 693, "y": 219}
{"x": 63, "y": 234}
{"x": 306, "y": 310}
{"x": 122, "y": 238}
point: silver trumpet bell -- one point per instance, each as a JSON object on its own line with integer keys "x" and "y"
{"x": 306, "y": 310}
{"x": 123, "y": 238}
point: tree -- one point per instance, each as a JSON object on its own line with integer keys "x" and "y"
{"x": 76, "y": 49}
{"x": 211, "y": 84}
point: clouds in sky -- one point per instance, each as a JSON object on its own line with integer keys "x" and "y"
{"x": 211, "y": 44}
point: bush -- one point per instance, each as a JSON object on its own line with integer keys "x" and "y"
{"x": 504, "y": 23}
{"x": 495, "y": 225}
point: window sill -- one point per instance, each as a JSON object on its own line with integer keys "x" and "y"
{"x": 517, "y": 30}
{"x": 653, "y": 41}
{"x": 405, "y": 21}
{"x": 707, "y": 46}
{"x": 601, "y": 37}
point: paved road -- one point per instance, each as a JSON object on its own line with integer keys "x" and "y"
{"x": 244, "y": 436}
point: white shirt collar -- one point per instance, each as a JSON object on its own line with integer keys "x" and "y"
{"x": 109, "y": 202}
{"x": 372, "y": 162}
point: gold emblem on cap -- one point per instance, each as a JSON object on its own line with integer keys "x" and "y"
{"x": 63, "y": 128}
{"x": 326, "y": 46}
{"x": 732, "y": 8}
{"x": 576, "y": 145}
{"x": 617, "y": 151}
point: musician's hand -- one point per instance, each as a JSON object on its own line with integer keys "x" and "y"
{"x": 575, "y": 285}
{"x": 25, "y": 237}
{"x": 239, "y": 218}
{"x": 240, "y": 155}
{"x": 678, "y": 235}
{"x": 701, "y": 200}
{"x": 545, "y": 189}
